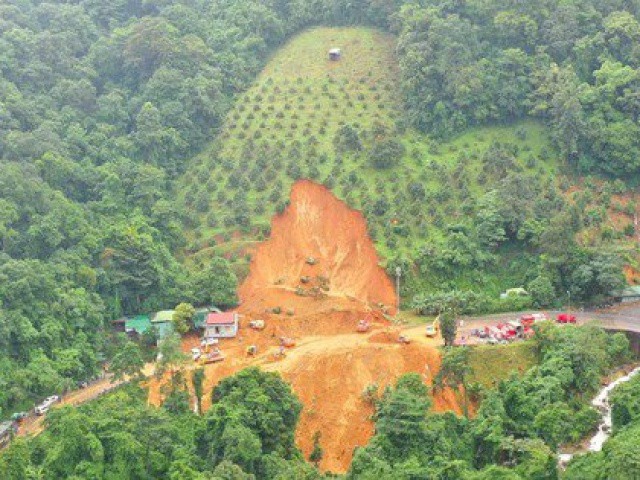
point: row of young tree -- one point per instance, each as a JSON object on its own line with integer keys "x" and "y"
{"x": 248, "y": 433}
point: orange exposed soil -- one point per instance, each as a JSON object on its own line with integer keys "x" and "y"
{"x": 632, "y": 275}
{"x": 321, "y": 270}
{"x": 318, "y": 226}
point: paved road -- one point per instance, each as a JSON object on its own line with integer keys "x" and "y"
{"x": 34, "y": 424}
{"x": 620, "y": 317}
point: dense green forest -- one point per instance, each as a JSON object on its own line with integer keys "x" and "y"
{"x": 249, "y": 432}
{"x": 106, "y": 107}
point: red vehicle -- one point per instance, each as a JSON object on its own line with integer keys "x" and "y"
{"x": 566, "y": 318}
{"x": 527, "y": 320}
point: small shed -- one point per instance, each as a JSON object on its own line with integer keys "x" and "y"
{"x": 335, "y": 54}
{"x": 221, "y": 325}
{"x": 627, "y": 295}
{"x": 162, "y": 321}
{"x": 119, "y": 325}
{"x": 137, "y": 325}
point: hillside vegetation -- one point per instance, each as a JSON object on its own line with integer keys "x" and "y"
{"x": 454, "y": 214}
{"x": 121, "y": 175}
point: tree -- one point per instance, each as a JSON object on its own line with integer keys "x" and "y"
{"x": 347, "y": 139}
{"x": 448, "y": 327}
{"x": 542, "y": 291}
{"x": 454, "y": 371}
{"x": 316, "y": 453}
{"x": 169, "y": 354}
{"x": 386, "y": 153}
{"x": 197, "y": 379}
{"x": 215, "y": 284}
{"x": 257, "y": 403}
{"x": 182, "y": 317}
{"x": 127, "y": 362}
{"x": 401, "y": 413}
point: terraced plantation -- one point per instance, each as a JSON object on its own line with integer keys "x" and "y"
{"x": 339, "y": 123}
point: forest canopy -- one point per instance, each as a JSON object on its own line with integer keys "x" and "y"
{"x": 104, "y": 104}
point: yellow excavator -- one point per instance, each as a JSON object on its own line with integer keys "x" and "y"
{"x": 432, "y": 330}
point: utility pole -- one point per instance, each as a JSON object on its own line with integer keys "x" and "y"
{"x": 398, "y": 273}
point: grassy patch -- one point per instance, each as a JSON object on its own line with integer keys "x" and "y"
{"x": 492, "y": 363}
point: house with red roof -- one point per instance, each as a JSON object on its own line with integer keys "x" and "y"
{"x": 221, "y": 325}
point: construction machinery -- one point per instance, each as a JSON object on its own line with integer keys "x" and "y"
{"x": 287, "y": 342}
{"x": 363, "y": 326}
{"x": 214, "y": 356}
{"x": 256, "y": 324}
{"x": 432, "y": 330}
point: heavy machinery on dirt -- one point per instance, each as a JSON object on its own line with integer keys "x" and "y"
{"x": 287, "y": 342}
{"x": 363, "y": 326}
{"x": 210, "y": 355}
{"x": 432, "y": 330}
{"x": 256, "y": 324}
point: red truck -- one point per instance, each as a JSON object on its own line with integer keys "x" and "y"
{"x": 565, "y": 318}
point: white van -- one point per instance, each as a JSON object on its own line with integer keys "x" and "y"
{"x": 42, "y": 408}
{"x": 46, "y": 405}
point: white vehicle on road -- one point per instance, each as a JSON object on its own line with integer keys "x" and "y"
{"x": 46, "y": 404}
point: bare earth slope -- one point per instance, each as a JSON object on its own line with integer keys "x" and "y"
{"x": 344, "y": 272}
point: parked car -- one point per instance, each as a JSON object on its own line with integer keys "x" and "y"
{"x": 42, "y": 408}
{"x": 46, "y": 404}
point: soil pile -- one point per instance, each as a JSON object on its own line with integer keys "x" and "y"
{"x": 330, "y": 380}
{"x": 319, "y": 257}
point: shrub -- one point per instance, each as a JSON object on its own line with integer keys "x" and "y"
{"x": 386, "y": 153}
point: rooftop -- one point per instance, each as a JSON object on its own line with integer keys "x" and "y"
{"x": 226, "y": 318}
{"x": 162, "y": 316}
{"x": 139, "y": 323}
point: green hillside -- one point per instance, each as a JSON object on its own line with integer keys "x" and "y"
{"x": 309, "y": 117}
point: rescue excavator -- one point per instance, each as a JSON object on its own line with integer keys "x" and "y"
{"x": 432, "y": 330}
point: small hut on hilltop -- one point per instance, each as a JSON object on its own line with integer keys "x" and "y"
{"x": 335, "y": 54}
